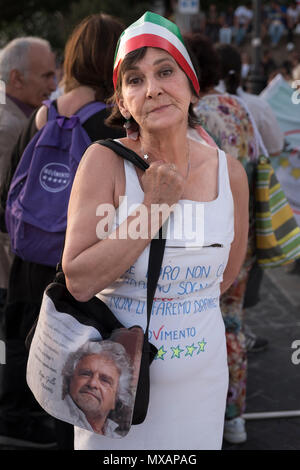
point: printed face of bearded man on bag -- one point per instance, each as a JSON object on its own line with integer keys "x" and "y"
{"x": 97, "y": 379}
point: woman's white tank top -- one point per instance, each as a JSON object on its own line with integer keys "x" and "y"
{"x": 189, "y": 376}
{"x": 197, "y": 247}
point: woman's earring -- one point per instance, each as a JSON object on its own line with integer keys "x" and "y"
{"x": 132, "y": 129}
{"x": 127, "y": 124}
{"x": 127, "y": 117}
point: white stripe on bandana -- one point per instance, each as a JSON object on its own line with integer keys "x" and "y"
{"x": 156, "y": 30}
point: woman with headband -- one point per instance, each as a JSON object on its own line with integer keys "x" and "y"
{"x": 204, "y": 195}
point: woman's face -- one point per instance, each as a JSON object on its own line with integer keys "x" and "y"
{"x": 156, "y": 92}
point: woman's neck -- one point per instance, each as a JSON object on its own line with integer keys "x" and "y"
{"x": 73, "y": 100}
{"x": 168, "y": 145}
{"x": 83, "y": 92}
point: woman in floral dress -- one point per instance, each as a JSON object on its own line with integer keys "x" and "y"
{"x": 224, "y": 117}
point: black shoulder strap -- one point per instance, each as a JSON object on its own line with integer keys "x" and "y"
{"x": 157, "y": 245}
{"x": 124, "y": 152}
{"x": 156, "y": 254}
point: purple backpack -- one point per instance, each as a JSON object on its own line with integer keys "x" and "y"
{"x": 38, "y": 197}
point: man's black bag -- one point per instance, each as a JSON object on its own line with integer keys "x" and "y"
{"x": 47, "y": 338}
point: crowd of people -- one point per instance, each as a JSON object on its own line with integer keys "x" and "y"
{"x": 197, "y": 127}
{"x": 280, "y": 26}
{"x": 233, "y": 25}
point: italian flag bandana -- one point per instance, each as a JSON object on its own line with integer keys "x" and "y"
{"x": 153, "y": 30}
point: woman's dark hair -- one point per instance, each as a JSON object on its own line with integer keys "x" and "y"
{"x": 89, "y": 54}
{"x": 207, "y": 59}
{"x": 116, "y": 119}
{"x": 231, "y": 66}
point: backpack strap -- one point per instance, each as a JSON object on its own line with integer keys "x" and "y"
{"x": 89, "y": 110}
{"x": 52, "y": 111}
{"x": 124, "y": 152}
{"x": 83, "y": 113}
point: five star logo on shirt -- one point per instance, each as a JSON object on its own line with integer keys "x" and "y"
{"x": 202, "y": 345}
{"x": 176, "y": 351}
{"x": 160, "y": 353}
{"x": 190, "y": 350}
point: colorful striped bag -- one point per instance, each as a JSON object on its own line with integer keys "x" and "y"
{"x": 277, "y": 233}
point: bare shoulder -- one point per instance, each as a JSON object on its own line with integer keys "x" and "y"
{"x": 235, "y": 169}
{"x": 200, "y": 147}
{"x": 100, "y": 175}
{"x": 41, "y": 117}
{"x": 98, "y": 156}
{"x": 237, "y": 175}
{"x": 204, "y": 151}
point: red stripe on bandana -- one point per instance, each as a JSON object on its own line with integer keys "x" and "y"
{"x": 150, "y": 40}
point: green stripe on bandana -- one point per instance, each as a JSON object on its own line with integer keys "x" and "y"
{"x": 150, "y": 17}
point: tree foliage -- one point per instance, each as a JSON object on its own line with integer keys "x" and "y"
{"x": 127, "y": 11}
{"x": 54, "y": 19}
{"x": 22, "y": 10}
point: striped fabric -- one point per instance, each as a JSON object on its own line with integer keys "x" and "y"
{"x": 153, "y": 30}
{"x": 277, "y": 233}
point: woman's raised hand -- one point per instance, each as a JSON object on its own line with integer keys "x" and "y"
{"x": 162, "y": 183}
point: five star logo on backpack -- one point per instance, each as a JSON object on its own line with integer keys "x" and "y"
{"x": 37, "y": 202}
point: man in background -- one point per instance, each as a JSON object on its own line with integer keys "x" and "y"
{"x": 243, "y": 16}
{"x": 27, "y": 70}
